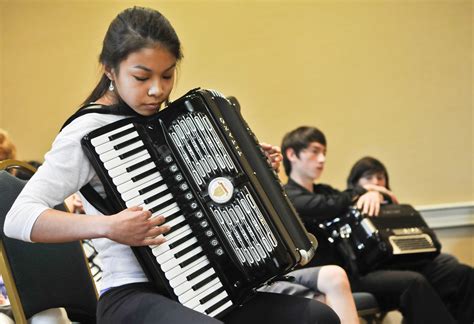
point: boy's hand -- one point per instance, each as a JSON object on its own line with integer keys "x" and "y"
{"x": 273, "y": 154}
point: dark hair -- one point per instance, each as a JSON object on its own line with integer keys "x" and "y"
{"x": 299, "y": 139}
{"x": 365, "y": 167}
{"x": 133, "y": 29}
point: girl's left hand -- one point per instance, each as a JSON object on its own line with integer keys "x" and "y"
{"x": 273, "y": 154}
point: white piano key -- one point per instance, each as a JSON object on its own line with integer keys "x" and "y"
{"x": 104, "y": 138}
{"x": 182, "y": 277}
{"x": 124, "y": 187}
{"x": 158, "y": 202}
{"x": 113, "y": 154}
{"x": 165, "y": 246}
{"x": 163, "y": 257}
{"x": 177, "y": 232}
{"x": 110, "y": 145}
{"x": 166, "y": 209}
{"x": 129, "y": 175}
{"x": 136, "y": 201}
{"x": 185, "y": 291}
{"x": 169, "y": 212}
{"x": 175, "y": 262}
{"x": 143, "y": 183}
{"x": 208, "y": 289}
{"x": 123, "y": 167}
{"x": 175, "y": 221}
{"x": 170, "y": 235}
{"x": 176, "y": 271}
{"x": 116, "y": 162}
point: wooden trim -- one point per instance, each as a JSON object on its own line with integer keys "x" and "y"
{"x": 448, "y": 215}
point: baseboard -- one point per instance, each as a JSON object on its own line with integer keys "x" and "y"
{"x": 448, "y": 215}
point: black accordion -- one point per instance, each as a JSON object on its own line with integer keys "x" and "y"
{"x": 198, "y": 163}
{"x": 397, "y": 238}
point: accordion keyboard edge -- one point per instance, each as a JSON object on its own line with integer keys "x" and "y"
{"x": 198, "y": 164}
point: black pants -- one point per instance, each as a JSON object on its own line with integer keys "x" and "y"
{"x": 140, "y": 304}
{"x": 438, "y": 291}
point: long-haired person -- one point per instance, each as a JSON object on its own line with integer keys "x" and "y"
{"x": 453, "y": 281}
{"x": 140, "y": 54}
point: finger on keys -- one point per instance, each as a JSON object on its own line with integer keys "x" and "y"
{"x": 158, "y": 230}
{"x": 153, "y": 242}
{"x": 158, "y": 220}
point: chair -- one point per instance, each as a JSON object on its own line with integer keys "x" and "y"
{"x": 368, "y": 308}
{"x": 42, "y": 276}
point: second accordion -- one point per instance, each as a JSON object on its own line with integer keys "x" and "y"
{"x": 198, "y": 163}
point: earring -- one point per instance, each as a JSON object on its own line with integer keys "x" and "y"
{"x": 111, "y": 86}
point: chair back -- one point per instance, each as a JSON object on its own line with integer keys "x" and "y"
{"x": 43, "y": 276}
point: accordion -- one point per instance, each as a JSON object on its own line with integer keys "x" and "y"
{"x": 397, "y": 238}
{"x": 198, "y": 164}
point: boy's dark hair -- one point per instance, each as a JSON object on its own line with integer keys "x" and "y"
{"x": 299, "y": 139}
{"x": 133, "y": 29}
{"x": 365, "y": 167}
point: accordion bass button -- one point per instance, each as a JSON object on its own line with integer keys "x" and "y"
{"x": 199, "y": 214}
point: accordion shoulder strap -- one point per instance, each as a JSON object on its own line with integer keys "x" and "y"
{"x": 92, "y": 196}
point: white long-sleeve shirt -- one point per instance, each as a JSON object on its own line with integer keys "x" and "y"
{"x": 66, "y": 169}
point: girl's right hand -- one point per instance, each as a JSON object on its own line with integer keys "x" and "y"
{"x": 135, "y": 227}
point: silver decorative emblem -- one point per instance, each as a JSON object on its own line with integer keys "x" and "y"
{"x": 220, "y": 190}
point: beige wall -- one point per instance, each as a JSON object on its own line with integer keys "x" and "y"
{"x": 392, "y": 79}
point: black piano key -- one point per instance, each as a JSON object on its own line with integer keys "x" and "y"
{"x": 181, "y": 241}
{"x": 144, "y": 174}
{"x": 191, "y": 259}
{"x": 197, "y": 273}
{"x": 173, "y": 216}
{"x": 126, "y": 143}
{"x": 132, "y": 152}
{"x": 186, "y": 250}
{"x": 138, "y": 165}
{"x": 175, "y": 227}
{"x": 151, "y": 187}
{"x": 156, "y": 197}
{"x": 161, "y": 206}
{"x": 122, "y": 133}
{"x": 211, "y": 295}
{"x": 217, "y": 305}
{"x": 204, "y": 282}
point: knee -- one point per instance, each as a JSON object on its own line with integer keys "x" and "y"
{"x": 335, "y": 278}
{"x": 416, "y": 279}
